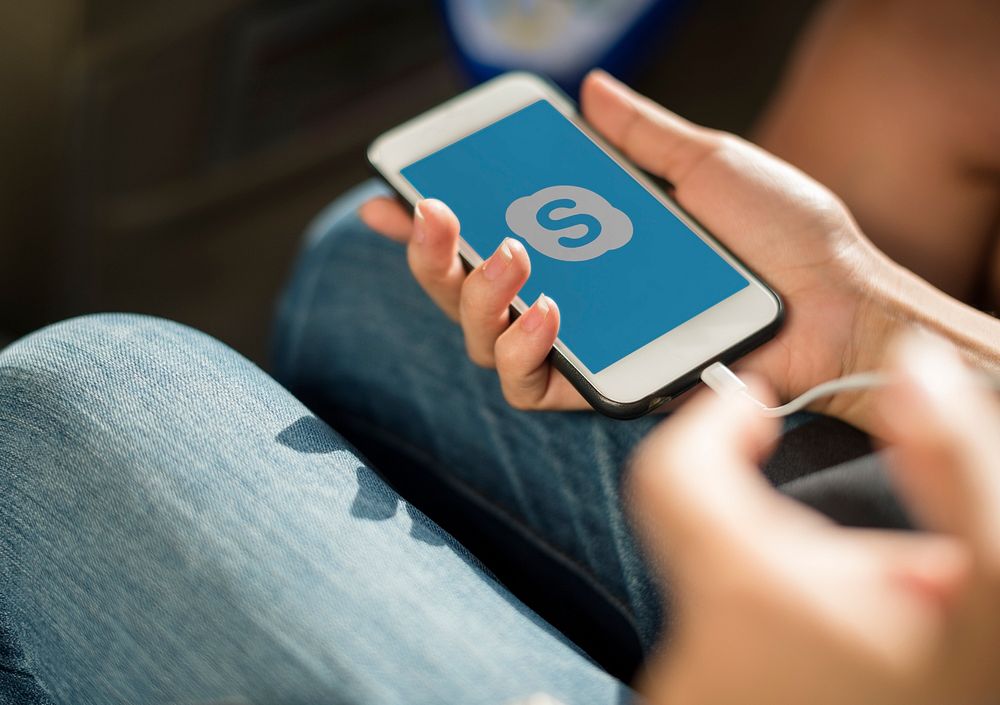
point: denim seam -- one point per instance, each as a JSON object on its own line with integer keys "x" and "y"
{"x": 420, "y": 456}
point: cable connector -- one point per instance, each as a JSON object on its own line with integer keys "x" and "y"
{"x": 725, "y": 383}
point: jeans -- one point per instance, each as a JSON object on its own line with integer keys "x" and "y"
{"x": 178, "y": 527}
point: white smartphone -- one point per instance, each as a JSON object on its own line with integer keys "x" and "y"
{"x": 647, "y": 297}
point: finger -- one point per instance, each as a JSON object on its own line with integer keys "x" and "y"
{"x": 946, "y": 430}
{"x": 522, "y": 356}
{"x": 656, "y": 139}
{"x": 387, "y": 216}
{"x": 433, "y": 254}
{"x": 932, "y": 567}
{"x": 719, "y": 429}
{"x": 487, "y": 293}
{"x": 695, "y": 478}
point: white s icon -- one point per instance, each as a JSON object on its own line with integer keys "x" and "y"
{"x": 569, "y": 223}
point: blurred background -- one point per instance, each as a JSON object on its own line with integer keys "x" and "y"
{"x": 164, "y": 156}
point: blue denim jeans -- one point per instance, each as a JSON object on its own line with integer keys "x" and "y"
{"x": 177, "y": 527}
{"x": 362, "y": 345}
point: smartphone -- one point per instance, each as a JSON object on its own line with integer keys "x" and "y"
{"x": 647, "y": 297}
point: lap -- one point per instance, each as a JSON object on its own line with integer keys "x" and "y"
{"x": 179, "y": 528}
{"x": 359, "y": 340}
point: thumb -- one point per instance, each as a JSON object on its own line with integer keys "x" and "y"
{"x": 656, "y": 139}
{"x": 695, "y": 480}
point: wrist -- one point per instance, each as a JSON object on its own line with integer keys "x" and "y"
{"x": 881, "y": 315}
{"x": 895, "y": 301}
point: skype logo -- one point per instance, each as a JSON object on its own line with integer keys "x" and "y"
{"x": 569, "y": 223}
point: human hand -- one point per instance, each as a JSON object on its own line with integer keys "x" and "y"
{"x": 773, "y": 217}
{"x": 773, "y": 604}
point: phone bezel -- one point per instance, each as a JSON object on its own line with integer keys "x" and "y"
{"x": 658, "y": 370}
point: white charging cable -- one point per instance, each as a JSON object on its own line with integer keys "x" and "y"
{"x": 724, "y": 382}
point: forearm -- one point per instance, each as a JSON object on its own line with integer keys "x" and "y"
{"x": 914, "y": 302}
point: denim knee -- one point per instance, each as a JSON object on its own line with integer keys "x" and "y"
{"x": 81, "y": 347}
{"x": 117, "y": 417}
{"x": 67, "y": 396}
{"x": 111, "y": 385}
{"x": 86, "y": 362}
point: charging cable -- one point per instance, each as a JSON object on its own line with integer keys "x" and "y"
{"x": 725, "y": 383}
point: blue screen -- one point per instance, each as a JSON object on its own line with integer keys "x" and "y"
{"x": 622, "y": 268}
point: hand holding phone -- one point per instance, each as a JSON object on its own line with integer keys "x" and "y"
{"x": 768, "y": 214}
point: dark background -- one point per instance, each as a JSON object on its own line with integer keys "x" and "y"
{"x": 164, "y": 156}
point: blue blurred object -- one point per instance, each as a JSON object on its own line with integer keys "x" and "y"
{"x": 560, "y": 39}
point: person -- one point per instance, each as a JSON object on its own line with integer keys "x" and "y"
{"x": 180, "y": 528}
{"x": 846, "y": 299}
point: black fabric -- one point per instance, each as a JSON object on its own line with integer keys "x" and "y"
{"x": 823, "y": 442}
{"x": 830, "y": 466}
{"x": 856, "y": 493}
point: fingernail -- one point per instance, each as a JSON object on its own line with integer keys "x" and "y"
{"x": 419, "y": 224}
{"x": 536, "y": 315}
{"x": 498, "y": 263}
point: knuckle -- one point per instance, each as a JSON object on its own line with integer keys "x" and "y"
{"x": 430, "y": 269}
{"x": 480, "y": 357}
{"x": 708, "y": 145}
{"x": 545, "y": 402}
{"x": 717, "y": 143}
{"x": 517, "y": 393}
{"x": 504, "y": 355}
{"x": 438, "y": 277}
{"x": 480, "y": 304}
{"x": 723, "y": 141}
{"x": 470, "y": 295}
{"x": 516, "y": 401}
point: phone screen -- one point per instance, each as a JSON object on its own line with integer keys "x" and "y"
{"x": 622, "y": 268}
